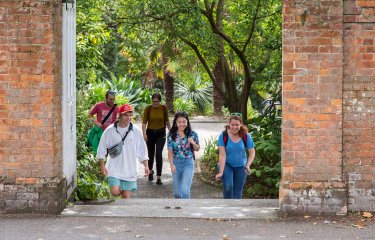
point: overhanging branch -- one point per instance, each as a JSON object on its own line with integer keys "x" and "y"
{"x": 204, "y": 63}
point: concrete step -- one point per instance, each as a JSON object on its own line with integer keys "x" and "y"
{"x": 179, "y": 208}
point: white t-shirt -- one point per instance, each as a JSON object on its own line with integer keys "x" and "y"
{"x": 134, "y": 151}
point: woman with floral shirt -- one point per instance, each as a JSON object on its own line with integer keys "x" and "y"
{"x": 182, "y": 142}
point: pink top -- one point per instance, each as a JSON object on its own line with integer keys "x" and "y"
{"x": 101, "y": 110}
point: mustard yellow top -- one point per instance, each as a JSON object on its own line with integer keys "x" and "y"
{"x": 155, "y": 117}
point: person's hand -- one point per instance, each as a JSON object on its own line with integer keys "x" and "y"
{"x": 247, "y": 169}
{"x": 145, "y": 137}
{"x": 218, "y": 176}
{"x": 173, "y": 168}
{"x": 193, "y": 144}
{"x": 104, "y": 170}
{"x": 147, "y": 171}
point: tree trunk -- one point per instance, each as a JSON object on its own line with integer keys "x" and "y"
{"x": 168, "y": 91}
{"x": 168, "y": 80}
{"x": 217, "y": 99}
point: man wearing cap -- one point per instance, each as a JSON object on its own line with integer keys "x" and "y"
{"x": 123, "y": 144}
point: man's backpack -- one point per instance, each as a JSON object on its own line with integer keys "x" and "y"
{"x": 225, "y": 138}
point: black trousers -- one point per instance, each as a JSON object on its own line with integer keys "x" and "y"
{"x": 155, "y": 141}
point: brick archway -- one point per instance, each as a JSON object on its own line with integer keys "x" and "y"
{"x": 328, "y": 145}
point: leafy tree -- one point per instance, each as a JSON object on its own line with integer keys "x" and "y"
{"x": 91, "y": 38}
{"x": 235, "y": 41}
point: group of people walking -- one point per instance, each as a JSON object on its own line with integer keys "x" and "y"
{"x": 123, "y": 146}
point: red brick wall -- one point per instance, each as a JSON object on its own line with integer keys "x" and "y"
{"x": 30, "y": 105}
{"x": 359, "y": 103}
{"x": 312, "y": 178}
{"x": 328, "y": 148}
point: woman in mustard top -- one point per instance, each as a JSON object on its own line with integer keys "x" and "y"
{"x": 155, "y": 119}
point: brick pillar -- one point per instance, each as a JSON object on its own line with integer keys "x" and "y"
{"x": 312, "y": 176}
{"x": 359, "y": 103}
{"x": 30, "y": 107}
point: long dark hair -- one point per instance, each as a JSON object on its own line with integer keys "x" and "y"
{"x": 243, "y": 130}
{"x": 174, "y": 129}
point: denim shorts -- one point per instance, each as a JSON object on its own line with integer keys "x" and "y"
{"x": 124, "y": 185}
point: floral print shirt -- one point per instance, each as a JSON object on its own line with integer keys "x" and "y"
{"x": 181, "y": 147}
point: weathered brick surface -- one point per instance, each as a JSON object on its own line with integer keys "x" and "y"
{"x": 328, "y": 106}
{"x": 314, "y": 198}
{"x": 359, "y": 103}
{"x": 30, "y": 100}
{"x": 312, "y": 106}
{"x": 46, "y": 195}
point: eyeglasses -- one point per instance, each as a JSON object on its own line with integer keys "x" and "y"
{"x": 155, "y": 101}
{"x": 236, "y": 114}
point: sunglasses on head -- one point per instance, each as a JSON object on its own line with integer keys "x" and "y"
{"x": 236, "y": 114}
{"x": 109, "y": 92}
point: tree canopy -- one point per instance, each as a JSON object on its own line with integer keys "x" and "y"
{"x": 236, "y": 44}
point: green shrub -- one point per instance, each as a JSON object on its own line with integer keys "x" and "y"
{"x": 208, "y": 164}
{"x": 90, "y": 183}
{"x": 197, "y": 90}
{"x": 181, "y": 105}
{"x": 266, "y": 168}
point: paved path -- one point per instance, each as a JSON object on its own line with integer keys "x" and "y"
{"x": 108, "y": 228}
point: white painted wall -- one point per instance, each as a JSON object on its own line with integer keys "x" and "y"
{"x": 69, "y": 95}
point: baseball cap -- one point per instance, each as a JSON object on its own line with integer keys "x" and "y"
{"x": 125, "y": 108}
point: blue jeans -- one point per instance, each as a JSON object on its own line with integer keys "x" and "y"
{"x": 233, "y": 181}
{"x": 183, "y": 177}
